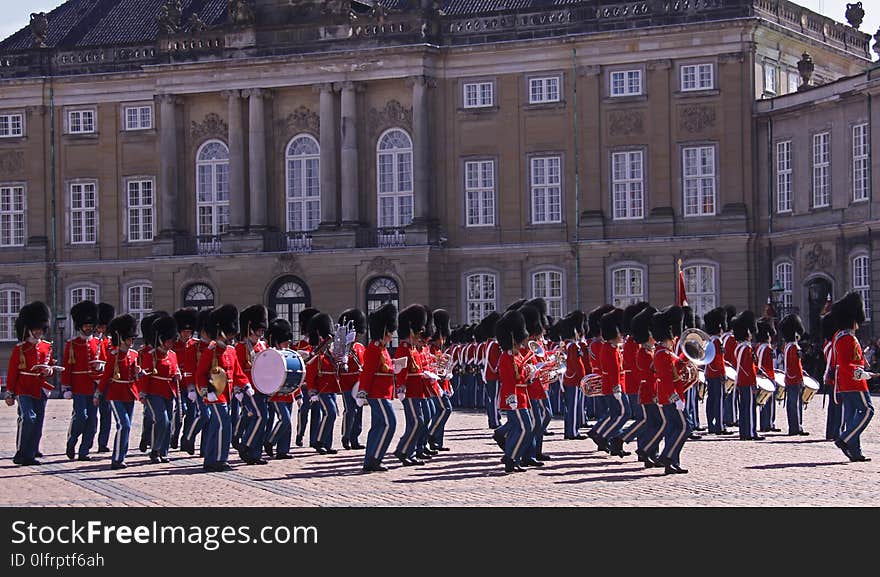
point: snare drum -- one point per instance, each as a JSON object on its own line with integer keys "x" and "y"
{"x": 779, "y": 378}
{"x": 764, "y": 391}
{"x": 729, "y": 378}
{"x": 277, "y": 372}
{"x": 811, "y": 387}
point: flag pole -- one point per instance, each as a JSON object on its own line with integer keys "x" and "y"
{"x": 678, "y": 281}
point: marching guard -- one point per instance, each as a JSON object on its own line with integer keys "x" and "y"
{"x": 322, "y": 383}
{"x": 377, "y": 387}
{"x": 305, "y": 349}
{"x": 350, "y": 373}
{"x": 745, "y": 328}
{"x": 80, "y": 362}
{"x": 764, "y": 354}
{"x": 828, "y": 323}
{"x": 185, "y": 350}
{"x": 792, "y": 328}
{"x": 252, "y": 322}
{"x": 410, "y": 386}
{"x": 201, "y": 413}
{"x": 442, "y": 403}
{"x": 106, "y": 312}
{"x": 670, "y": 389}
{"x": 570, "y": 329}
{"x": 715, "y": 323}
{"x": 163, "y": 386}
{"x": 280, "y": 337}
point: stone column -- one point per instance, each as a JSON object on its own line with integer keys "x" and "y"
{"x": 257, "y": 155}
{"x": 168, "y": 169}
{"x": 237, "y": 202}
{"x": 421, "y": 141}
{"x": 350, "y": 212}
{"x": 329, "y": 129}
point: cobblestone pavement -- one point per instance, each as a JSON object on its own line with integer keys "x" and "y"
{"x": 780, "y": 471}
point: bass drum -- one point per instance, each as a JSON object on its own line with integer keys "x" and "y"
{"x": 811, "y": 387}
{"x": 277, "y": 372}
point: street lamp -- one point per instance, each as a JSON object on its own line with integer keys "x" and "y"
{"x": 773, "y": 301}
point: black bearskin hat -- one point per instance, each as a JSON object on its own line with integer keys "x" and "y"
{"x": 84, "y": 313}
{"x": 593, "y": 329}
{"x": 279, "y": 331}
{"x": 486, "y": 327}
{"x": 164, "y": 328}
{"x": 383, "y": 320}
{"x": 640, "y": 325}
{"x": 428, "y": 330}
{"x": 790, "y": 327}
{"x": 122, "y": 328}
{"x": 187, "y": 319}
{"x": 357, "y": 318}
{"x": 661, "y": 325}
{"x": 320, "y": 328}
{"x": 411, "y": 320}
{"x": 305, "y": 316}
{"x": 253, "y": 318}
{"x": 688, "y": 318}
{"x": 516, "y": 305}
{"x": 766, "y": 330}
{"x": 106, "y": 312}
{"x": 744, "y": 326}
{"x": 441, "y": 325}
{"x": 511, "y": 329}
{"x": 271, "y": 314}
{"x": 628, "y": 314}
{"x": 540, "y": 304}
{"x": 675, "y": 316}
{"x": 147, "y": 327}
{"x": 609, "y": 324}
{"x": 552, "y": 333}
{"x": 202, "y": 320}
{"x": 730, "y": 312}
{"x": 33, "y": 316}
{"x": 848, "y": 310}
{"x": 828, "y": 323}
{"x": 223, "y": 320}
{"x": 532, "y": 317}
{"x": 716, "y": 321}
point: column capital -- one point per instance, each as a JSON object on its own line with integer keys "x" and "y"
{"x": 264, "y": 93}
{"x": 169, "y": 98}
{"x": 421, "y": 80}
{"x": 231, "y": 94}
{"x": 324, "y": 87}
{"x": 349, "y": 85}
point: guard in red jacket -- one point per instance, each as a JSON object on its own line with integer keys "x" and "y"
{"x": 322, "y": 382}
{"x": 670, "y": 389}
{"x": 349, "y": 375}
{"x": 745, "y": 328}
{"x": 305, "y": 349}
{"x": 185, "y": 410}
{"x": 442, "y": 403}
{"x": 537, "y": 387}
{"x": 106, "y": 312}
{"x": 851, "y": 377}
{"x": 731, "y": 400}
{"x": 628, "y": 357}
{"x": 411, "y": 382}
{"x": 513, "y": 373}
{"x": 201, "y": 414}
{"x": 118, "y": 384}
{"x": 253, "y": 322}
{"x": 828, "y": 324}
{"x": 280, "y": 337}
{"x": 490, "y": 368}
{"x": 764, "y": 356}
{"x": 650, "y": 424}
{"x": 218, "y": 377}
{"x": 570, "y": 329}
{"x": 78, "y": 380}
{"x": 715, "y": 323}
{"x": 792, "y": 328}
{"x": 606, "y": 433}
{"x": 146, "y": 359}
{"x": 596, "y": 407}
{"x": 30, "y": 364}
{"x": 164, "y": 386}
{"x": 377, "y": 386}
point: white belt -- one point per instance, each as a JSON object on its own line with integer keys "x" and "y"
{"x": 162, "y": 378}
{"x": 30, "y": 374}
{"x": 81, "y": 372}
{"x": 123, "y": 382}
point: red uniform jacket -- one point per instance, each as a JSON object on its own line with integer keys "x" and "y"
{"x": 145, "y": 360}
{"x": 377, "y": 378}
{"x": 166, "y": 374}
{"x": 595, "y": 346}
{"x": 830, "y": 368}
{"x": 187, "y": 360}
{"x": 351, "y": 372}
{"x": 847, "y": 357}
{"x": 745, "y": 365}
{"x": 668, "y": 379}
{"x": 644, "y": 369}
{"x": 574, "y": 365}
{"x": 535, "y": 387}
{"x": 511, "y": 374}
{"x": 585, "y": 356}
{"x": 411, "y": 376}
{"x": 21, "y": 379}
{"x": 630, "y": 379}
{"x": 715, "y": 369}
{"x": 103, "y": 345}
{"x": 228, "y": 361}
{"x": 794, "y": 371}
{"x": 119, "y": 381}
{"x": 437, "y": 387}
{"x": 79, "y": 370}
{"x": 493, "y": 356}
{"x": 729, "y": 345}
{"x": 612, "y": 376}
{"x": 321, "y": 376}
{"x": 246, "y": 359}
{"x": 765, "y": 360}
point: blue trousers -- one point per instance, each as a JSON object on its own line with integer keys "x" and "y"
{"x": 161, "y": 412}
{"x": 105, "y": 417}
{"x": 83, "y": 423}
{"x": 240, "y": 413}
{"x": 857, "y": 413}
{"x": 492, "y": 411}
{"x": 429, "y": 415}
{"x": 794, "y": 408}
{"x": 479, "y": 392}
{"x": 600, "y": 408}
{"x": 217, "y": 435}
{"x": 255, "y": 434}
{"x": 571, "y": 396}
{"x": 655, "y": 430}
{"x": 415, "y": 424}
{"x": 677, "y": 430}
{"x": 32, "y": 411}
{"x": 768, "y": 414}
{"x": 541, "y": 417}
{"x": 636, "y": 428}
{"x": 580, "y": 417}
{"x": 181, "y": 403}
{"x": 747, "y": 412}
{"x": 304, "y": 410}
{"x": 383, "y": 423}
{"x": 610, "y": 427}
{"x": 324, "y": 413}
{"x": 729, "y": 411}
{"x": 196, "y": 421}
{"x": 714, "y": 404}
{"x": 352, "y": 418}
{"x": 280, "y": 435}
{"x": 518, "y": 437}
{"x": 146, "y": 428}
{"x": 443, "y": 409}
{"x": 692, "y": 408}
{"x": 592, "y": 408}
{"x": 834, "y": 421}
{"x": 122, "y": 413}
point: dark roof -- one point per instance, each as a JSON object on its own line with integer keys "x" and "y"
{"x": 463, "y": 7}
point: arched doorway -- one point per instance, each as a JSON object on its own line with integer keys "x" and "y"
{"x": 198, "y": 296}
{"x": 818, "y": 292}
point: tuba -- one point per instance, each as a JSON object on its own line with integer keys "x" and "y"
{"x": 698, "y": 350}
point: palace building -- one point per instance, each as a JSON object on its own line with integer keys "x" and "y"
{"x": 462, "y": 153}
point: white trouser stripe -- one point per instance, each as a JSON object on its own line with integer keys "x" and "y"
{"x": 680, "y": 439}
{"x": 865, "y": 417}
{"x": 411, "y": 406}
{"x": 219, "y": 431}
{"x": 522, "y": 435}
{"x": 116, "y": 439}
{"x": 324, "y": 418}
{"x": 387, "y": 426}
{"x": 259, "y": 421}
{"x": 660, "y": 431}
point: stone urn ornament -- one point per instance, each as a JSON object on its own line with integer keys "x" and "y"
{"x": 855, "y": 14}
{"x": 39, "y": 28}
{"x": 805, "y": 69}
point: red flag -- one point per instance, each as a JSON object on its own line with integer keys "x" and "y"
{"x": 682, "y": 299}
{"x": 827, "y": 308}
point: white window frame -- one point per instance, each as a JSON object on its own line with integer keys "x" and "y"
{"x": 479, "y": 193}
{"x": 80, "y": 214}
{"x": 542, "y": 88}
{"x": 771, "y": 78}
{"x": 630, "y": 295}
{"x": 861, "y": 163}
{"x": 144, "y": 290}
{"x": 628, "y": 191}
{"x": 13, "y": 220}
{"x": 545, "y": 189}
{"x": 140, "y": 210}
{"x": 700, "y": 299}
{"x": 11, "y": 301}
{"x": 549, "y": 284}
{"x": 401, "y": 188}
{"x": 215, "y": 207}
{"x": 478, "y": 94}
{"x": 861, "y": 279}
{"x": 622, "y": 82}
{"x": 783, "y": 177}
{"x": 821, "y": 155}
{"x": 9, "y": 123}
{"x": 76, "y": 121}
{"x": 486, "y": 283}
{"x": 701, "y": 71}
{"x": 700, "y": 179}
{"x": 784, "y": 273}
{"x": 142, "y": 118}
{"x": 78, "y": 292}
{"x": 310, "y": 198}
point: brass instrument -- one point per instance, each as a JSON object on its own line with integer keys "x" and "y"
{"x": 591, "y": 385}
{"x": 698, "y": 350}
{"x": 319, "y": 350}
{"x": 549, "y": 370}
{"x": 343, "y": 339}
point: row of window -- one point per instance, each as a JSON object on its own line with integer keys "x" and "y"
{"x": 821, "y": 170}
{"x": 860, "y": 281}
{"x": 82, "y": 121}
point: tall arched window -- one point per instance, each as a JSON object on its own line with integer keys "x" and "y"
{"x": 627, "y": 285}
{"x": 289, "y": 296}
{"x": 198, "y": 296}
{"x": 547, "y": 284}
{"x": 785, "y": 276}
{"x": 395, "y": 178}
{"x": 11, "y": 301}
{"x": 861, "y": 280}
{"x": 212, "y": 188}
{"x": 481, "y": 296}
{"x": 699, "y": 284}
{"x": 303, "y": 184}
{"x": 380, "y": 291}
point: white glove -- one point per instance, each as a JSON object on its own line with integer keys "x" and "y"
{"x": 67, "y": 394}
{"x": 299, "y": 402}
{"x": 212, "y": 397}
{"x": 249, "y": 390}
{"x": 618, "y": 395}
{"x": 239, "y": 396}
{"x": 313, "y": 397}
{"x": 401, "y": 396}
{"x": 360, "y": 401}
{"x": 355, "y": 390}
{"x": 511, "y": 402}
{"x": 142, "y": 396}
{"x": 679, "y": 404}
{"x": 192, "y": 396}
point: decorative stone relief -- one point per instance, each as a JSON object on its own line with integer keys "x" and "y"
{"x": 197, "y": 271}
{"x": 818, "y": 258}
{"x": 394, "y": 114}
{"x": 12, "y": 162}
{"x": 211, "y": 126}
{"x": 380, "y": 264}
{"x": 626, "y": 122}
{"x": 39, "y": 27}
{"x": 302, "y": 119}
{"x": 169, "y": 17}
{"x": 696, "y": 118}
{"x": 288, "y": 264}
